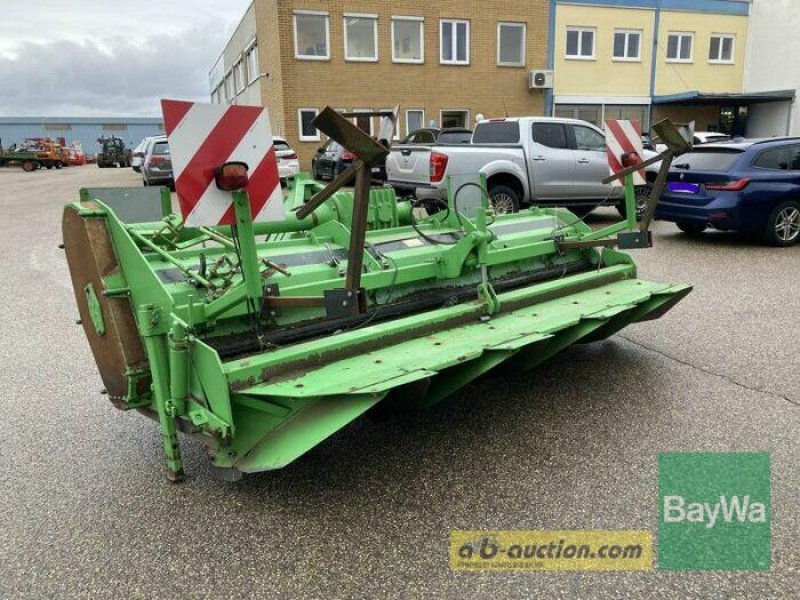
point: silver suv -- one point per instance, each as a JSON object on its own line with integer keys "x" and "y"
{"x": 157, "y": 163}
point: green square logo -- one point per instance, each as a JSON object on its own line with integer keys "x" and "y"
{"x": 714, "y": 511}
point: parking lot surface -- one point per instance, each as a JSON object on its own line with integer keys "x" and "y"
{"x": 574, "y": 444}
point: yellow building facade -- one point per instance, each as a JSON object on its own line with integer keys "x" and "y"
{"x": 647, "y": 59}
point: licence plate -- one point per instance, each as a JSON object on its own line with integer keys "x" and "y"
{"x": 376, "y": 170}
{"x": 680, "y": 187}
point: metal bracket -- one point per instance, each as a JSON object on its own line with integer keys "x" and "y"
{"x": 150, "y": 321}
{"x": 343, "y": 302}
{"x": 95, "y": 310}
{"x": 631, "y": 240}
{"x": 267, "y": 310}
{"x": 207, "y": 420}
{"x": 489, "y": 298}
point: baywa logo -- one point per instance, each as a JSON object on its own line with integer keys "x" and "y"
{"x": 714, "y": 511}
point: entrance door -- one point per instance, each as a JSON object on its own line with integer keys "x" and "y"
{"x": 733, "y": 120}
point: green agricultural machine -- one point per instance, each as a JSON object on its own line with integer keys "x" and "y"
{"x": 113, "y": 152}
{"x": 263, "y": 339}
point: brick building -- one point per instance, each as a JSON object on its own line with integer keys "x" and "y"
{"x": 443, "y": 62}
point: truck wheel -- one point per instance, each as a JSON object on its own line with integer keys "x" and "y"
{"x": 48, "y": 166}
{"x": 58, "y": 164}
{"x": 642, "y": 196}
{"x": 691, "y": 228}
{"x": 29, "y": 165}
{"x": 504, "y": 199}
{"x": 783, "y": 224}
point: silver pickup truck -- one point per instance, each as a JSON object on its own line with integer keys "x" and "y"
{"x": 526, "y": 160}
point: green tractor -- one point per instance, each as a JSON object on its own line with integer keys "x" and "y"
{"x": 113, "y": 153}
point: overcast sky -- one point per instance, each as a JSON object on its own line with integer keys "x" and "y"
{"x": 108, "y": 57}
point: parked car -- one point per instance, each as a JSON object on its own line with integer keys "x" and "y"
{"x": 138, "y": 155}
{"x": 700, "y": 137}
{"x": 414, "y": 151}
{"x": 332, "y": 158}
{"x": 433, "y": 135}
{"x": 751, "y": 186}
{"x": 526, "y": 160}
{"x": 288, "y": 164}
{"x": 157, "y": 165}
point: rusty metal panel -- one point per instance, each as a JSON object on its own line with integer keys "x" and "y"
{"x": 91, "y": 257}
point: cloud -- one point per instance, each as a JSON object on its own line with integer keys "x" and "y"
{"x": 108, "y": 76}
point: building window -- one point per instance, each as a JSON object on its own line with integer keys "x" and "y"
{"x": 229, "y": 85}
{"x": 415, "y": 119}
{"x": 115, "y": 127}
{"x": 252, "y": 64}
{"x": 453, "y": 42}
{"x": 238, "y": 76}
{"x": 361, "y": 37}
{"x": 311, "y": 35}
{"x": 408, "y": 40}
{"x": 679, "y": 47}
{"x": 454, "y": 118}
{"x": 627, "y": 45}
{"x": 382, "y": 121}
{"x": 363, "y": 121}
{"x": 629, "y": 112}
{"x": 57, "y": 127}
{"x": 721, "y": 49}
{"x": 308, "y": 133}
{"x": 511, "y": 44}
{"x": 592, "y": 113}
{"x": 580, "y": 43}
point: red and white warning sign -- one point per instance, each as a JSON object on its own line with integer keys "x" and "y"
{"x": 624, "y": 138}
{"x": 202, "y": 137}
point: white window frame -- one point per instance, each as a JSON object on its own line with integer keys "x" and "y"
{"x": 467, "y": 122}
{"x": 230, "y": 93}
{"x": 720, "y": 60}
{"x": 356, "y": 111}
{"x": 420, "y": 21}
{"x": 239, "y": 76}
{"x": 454, "y": 45}
{"x": 319, "y": 13}
{"x": 419, "y": 110}
{"x": 581, "y": 31}
{"x": 524, "y": 27}
{"x": 374, "y": 19}
{"x": 396, "y": 135}
{"x": 252, "y": 48}
{"x": 681, "y": 35}
{"x": 626, "y": 33}
{"x": 300, "y": 136}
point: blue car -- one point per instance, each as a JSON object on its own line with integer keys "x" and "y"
{"x": 751, "y": 186}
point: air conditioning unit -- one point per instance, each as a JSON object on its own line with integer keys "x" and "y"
{"x": 540, "y": 80}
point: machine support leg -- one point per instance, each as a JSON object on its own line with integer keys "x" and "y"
{"x": 655, "y": 193}
{"x": 247, "y": 245}
{"x": 355, "y": 259}
{"x": 630, "y": 201}
{"x": 178, "y": 366}
{"x": 157, "y": 354}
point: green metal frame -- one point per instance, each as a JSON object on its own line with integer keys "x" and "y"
{"x": 512, "y": 292}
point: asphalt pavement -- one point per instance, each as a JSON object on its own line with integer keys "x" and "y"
{"x": 574, "y": 444}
